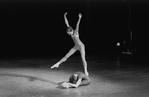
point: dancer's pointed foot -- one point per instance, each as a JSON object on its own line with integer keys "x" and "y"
{"x": 55, "y": 65}
{"x": 86, "y": 73}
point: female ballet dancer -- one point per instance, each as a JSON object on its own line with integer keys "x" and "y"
{"x": 76, "y": 79}
{"x": 78, "y": 44}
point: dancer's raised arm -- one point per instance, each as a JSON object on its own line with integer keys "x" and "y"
{"x": 65, "y": 18}
{"x": 78, "y": 23}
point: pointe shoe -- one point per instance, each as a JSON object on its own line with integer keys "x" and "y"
{"x": 55, "y": 66}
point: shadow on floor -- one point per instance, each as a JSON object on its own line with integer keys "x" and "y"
{"x": 30, "y": 78}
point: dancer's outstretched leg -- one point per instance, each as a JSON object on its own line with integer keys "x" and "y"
{"x": 72, "y": 51}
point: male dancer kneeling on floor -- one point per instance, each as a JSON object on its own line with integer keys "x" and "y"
{"x": 76, "y": 79}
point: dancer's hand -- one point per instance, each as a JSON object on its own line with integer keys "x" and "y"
{"x": 65, "y": 85}
{"x": 80, "y": 15}
{"x": 55, "y": 65}
{"x": 65, "y": 14}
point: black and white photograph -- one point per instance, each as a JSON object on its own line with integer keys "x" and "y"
{"x": 74, "y": 48}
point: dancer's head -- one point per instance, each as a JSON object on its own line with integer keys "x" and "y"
{"x": 73, "y": 79}
{"x": 70, "y": 30}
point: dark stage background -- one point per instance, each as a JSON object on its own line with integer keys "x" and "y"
{"x": 36, "y": 28}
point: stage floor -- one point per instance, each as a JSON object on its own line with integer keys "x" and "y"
{"x": 108, "y": 78}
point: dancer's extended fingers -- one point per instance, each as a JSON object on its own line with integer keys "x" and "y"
{"x": 65, "y": 13}
{"x": 80, "y": 15}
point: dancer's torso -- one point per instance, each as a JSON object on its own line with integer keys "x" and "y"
{"x": 76, "y": 40}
